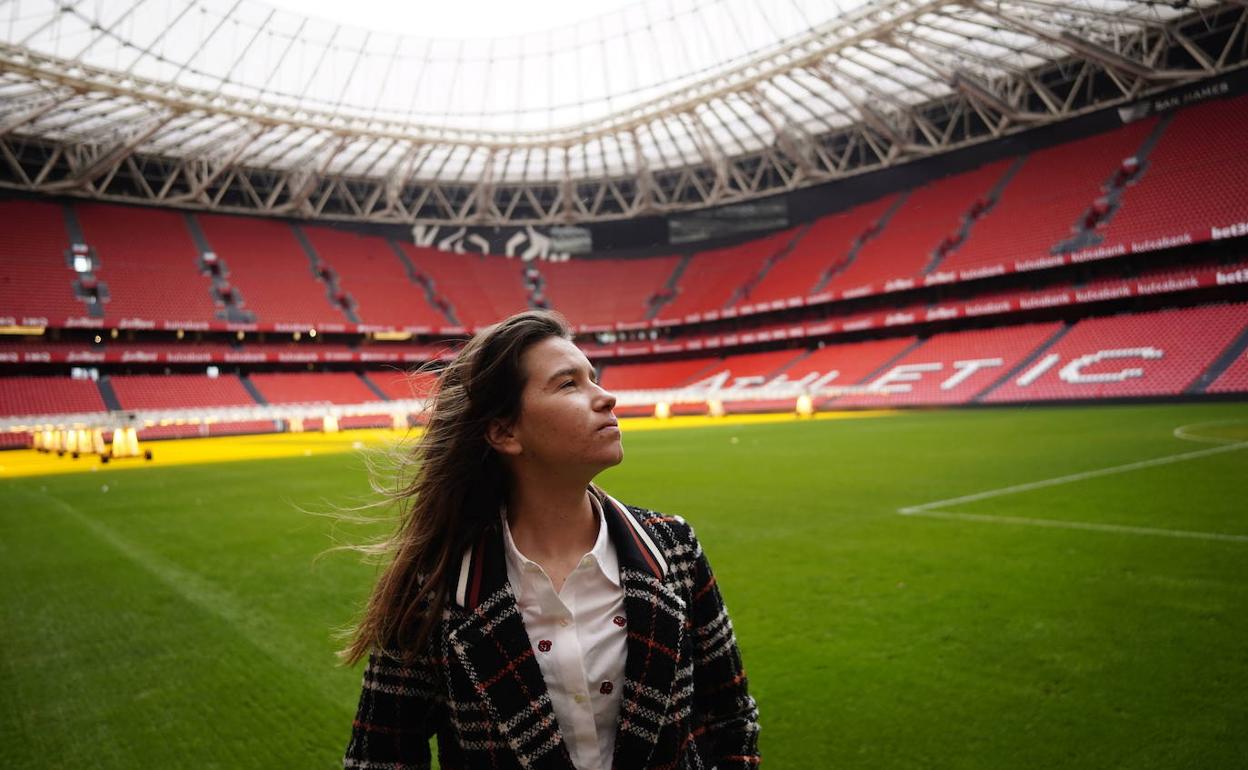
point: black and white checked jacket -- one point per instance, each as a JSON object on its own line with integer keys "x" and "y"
{"x": 685, "y": 704}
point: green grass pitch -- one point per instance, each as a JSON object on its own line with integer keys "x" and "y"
{"x": 180, "y": 619}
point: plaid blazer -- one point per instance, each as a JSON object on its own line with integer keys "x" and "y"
{"x": 478, "y": 687}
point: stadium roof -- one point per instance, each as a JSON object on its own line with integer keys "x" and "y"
{"x": 652, "y": 106}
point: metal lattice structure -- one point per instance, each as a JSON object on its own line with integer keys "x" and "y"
{"x": 93, "y": 104}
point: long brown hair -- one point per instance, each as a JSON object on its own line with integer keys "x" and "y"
{"x": 456, "y": 488}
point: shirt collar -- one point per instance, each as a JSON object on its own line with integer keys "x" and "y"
{"x": 602, "y": 552}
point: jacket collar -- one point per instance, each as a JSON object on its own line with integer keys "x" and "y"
{"x": 632, "y": 542}
{"x": 489, "y": 643}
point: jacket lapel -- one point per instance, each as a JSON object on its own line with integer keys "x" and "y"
{"x": 656, "y": 625}
{"x": 489, "y": 643}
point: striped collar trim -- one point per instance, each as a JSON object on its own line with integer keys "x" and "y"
{"x": 632, "y": 542}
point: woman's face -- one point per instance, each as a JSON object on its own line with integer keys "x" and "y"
{"x": 565, "y": 422}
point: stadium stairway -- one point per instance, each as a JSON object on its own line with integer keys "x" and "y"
{"x": 973, "y": 215}
{"x": 1027, "y": 361}
{"x": 742, "y": 294}
{"x": 108, "y": 394}
{"x": 326, "y": 275}
{"x": 72, "y": 227}
{"x": 1193, "y": 184}
{"x": 88, "y": 290}
{"x": 884, "y": 367}
{"x": 1091, "y": 226}
{"x": 229, "y": 296}
{"x": 381, "y": 396}
{"x": 668, "y": 292}
{"x": 872, "y": 231}
{"x": 436, "y": 301}
{"x": 534, "y": 285}
{"x": 1176, "y": 355}
{"x": 793, "y": 363}
{"x": 252, "y": 389}
{"x": 1220, "y": 364}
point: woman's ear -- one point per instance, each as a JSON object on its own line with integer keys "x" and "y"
{"x": 501, "y": 436}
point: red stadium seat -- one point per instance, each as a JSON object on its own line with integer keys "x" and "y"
{"x": 1193, "y": 180}
{"x": 20, "y": 396}
{"x": 952, "y": 368}
{"x": 926, "y": 225}
{"x": 1143, "y": 354}
{"x": 35, "y": 281}
{"x": 148, "y": 261}
{"x": 269, "y": 270}
{"x": 1050, "y": 192}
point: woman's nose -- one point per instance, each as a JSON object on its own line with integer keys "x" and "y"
{"x": 607, "y": 398}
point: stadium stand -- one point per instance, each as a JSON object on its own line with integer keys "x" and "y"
{"x": 36, "y": 280}
{"x": 601, "y": 292}
{"x": 851, "y": 362}
{"x": 952, "y": 368}
{"x": 712, "y": 278}
{"x": 748, "y": 369}
{"x": 834, "y": 364}
{"x": 147, "y": 258}
{"x": 1138, "y": 354}
{"x": 313, "y": 388}
{"x": 322, "y": 388}
{"x": 480, "y": 290}
{"x": 932, "y": 217}
{"x": 1051, "y": 192}
{"x": 751, "y": 370}
{"x": 1193, "y": 181}
{"x": 271, "y": 271}
{"x": 148, "y": 261}
{"x": 1234, "y": 379}
{"x": 655, "y": 375}
{"x": 824, "y": 247}
{"x": 1154, "y": 178}
{"x": 187, "y": 391}
{"x": 398, "y": 384}
{"x": 179, "y": 391}
{"x": 371, "y": 273}
{"x": 21, "y": 396}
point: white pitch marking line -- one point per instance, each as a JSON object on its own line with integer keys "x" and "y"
{"x": 1167, "y": 460}
{"x": 1184, "y": 431}
{"x": 927, "y": 509}
{"x": 1059, "y": 524}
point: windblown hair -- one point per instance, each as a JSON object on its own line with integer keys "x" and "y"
{"x": 456, "y": 489}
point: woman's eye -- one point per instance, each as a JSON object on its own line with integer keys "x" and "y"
{"x": 568, "y": 384}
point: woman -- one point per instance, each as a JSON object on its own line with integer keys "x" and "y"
{"x": 528, "y": 619}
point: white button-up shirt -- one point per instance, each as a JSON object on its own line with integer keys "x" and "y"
{"x": 579, "y": 636}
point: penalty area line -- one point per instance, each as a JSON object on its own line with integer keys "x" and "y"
{"x": 930, "y": 509}
{"x": 1083, "y": 525}
{"x": 1053, "y": 482}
